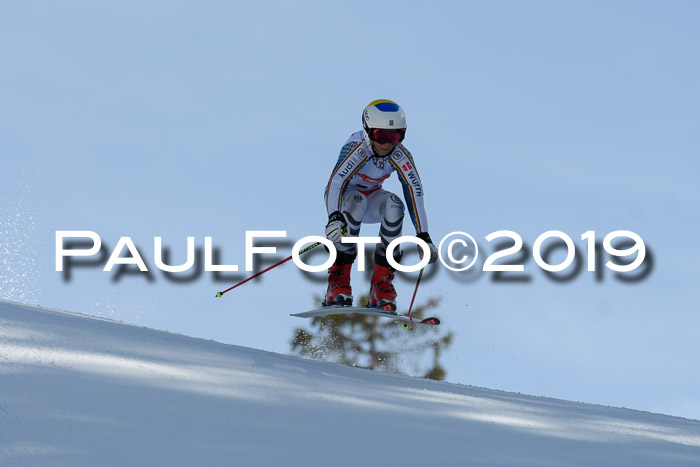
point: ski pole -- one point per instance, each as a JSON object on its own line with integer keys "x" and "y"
{"x": 420, "y": 274}
{"x": 304, "y": 250}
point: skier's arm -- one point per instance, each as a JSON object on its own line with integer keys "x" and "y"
{"x": 413, "y": 194}
{"x": 349, "y": 162}
{"x": 412, "y": 188}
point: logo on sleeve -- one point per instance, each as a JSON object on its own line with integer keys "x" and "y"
{"x": 413, "y": 180}
{"x": 343, "y": 172}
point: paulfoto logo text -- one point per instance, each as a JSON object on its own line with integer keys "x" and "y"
{"x": 457, "y": 251}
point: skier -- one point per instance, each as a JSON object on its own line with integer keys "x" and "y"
{"x": 354, "y": 196}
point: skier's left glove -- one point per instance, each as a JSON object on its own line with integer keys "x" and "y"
{"x": 433, "y": 249}
{"x": 336, "y": 227}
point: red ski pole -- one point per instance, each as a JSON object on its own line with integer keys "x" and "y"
{"x": 313, "y": 245}
{"x": 420, "y": 274}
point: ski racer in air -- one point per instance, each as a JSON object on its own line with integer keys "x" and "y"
{"x": 354, "y": 196}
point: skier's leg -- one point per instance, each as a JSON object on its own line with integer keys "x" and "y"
{"x": 353, "y": 207}
{"x": 390, "y": 210}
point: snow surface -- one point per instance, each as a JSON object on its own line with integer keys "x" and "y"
{"x": 83, "y": 391}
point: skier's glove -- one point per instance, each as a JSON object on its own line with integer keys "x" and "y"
{"x": 433, "y": 249}
{"x": 336, "y": 227}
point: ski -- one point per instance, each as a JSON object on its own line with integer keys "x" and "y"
{"x": 338, "y": 310}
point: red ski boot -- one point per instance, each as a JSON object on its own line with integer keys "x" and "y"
{"x": 383, "y": 293}
{"x": 339, "y": 289}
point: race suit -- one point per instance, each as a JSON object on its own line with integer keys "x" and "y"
{"x": 355, "y": 190}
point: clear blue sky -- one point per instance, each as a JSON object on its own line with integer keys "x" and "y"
{"x": 212, "y": 118}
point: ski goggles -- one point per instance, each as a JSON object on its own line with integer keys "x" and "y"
{"x": 387, "y": 136}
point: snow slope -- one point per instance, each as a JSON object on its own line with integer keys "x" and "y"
{"x": 82, "y": 391}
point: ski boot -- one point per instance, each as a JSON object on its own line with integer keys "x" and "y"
{"x": 339, "y": 290}
{"x": 383, "y": 294}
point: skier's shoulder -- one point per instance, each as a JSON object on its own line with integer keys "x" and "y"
{"x": 356, "y": 140}
{"x": 355, "y": 144}
{"x": 356, "y": 137}
{"x": 401, "y": 153}
{"x": 404, "y": 150}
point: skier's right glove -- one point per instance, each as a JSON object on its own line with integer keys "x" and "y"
{"x": 336, "y": 227}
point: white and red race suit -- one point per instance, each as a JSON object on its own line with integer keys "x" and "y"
{"x": 360, "y": 169}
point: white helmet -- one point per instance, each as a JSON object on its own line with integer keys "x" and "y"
{"x": 383, "y": 114}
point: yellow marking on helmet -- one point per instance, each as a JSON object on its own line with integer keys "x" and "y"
{"x": 381, "y": 101}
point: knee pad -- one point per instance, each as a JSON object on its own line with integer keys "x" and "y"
{"x": 393, "y": 208}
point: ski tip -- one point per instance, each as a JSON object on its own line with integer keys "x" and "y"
{"x": 431, "y": 320}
